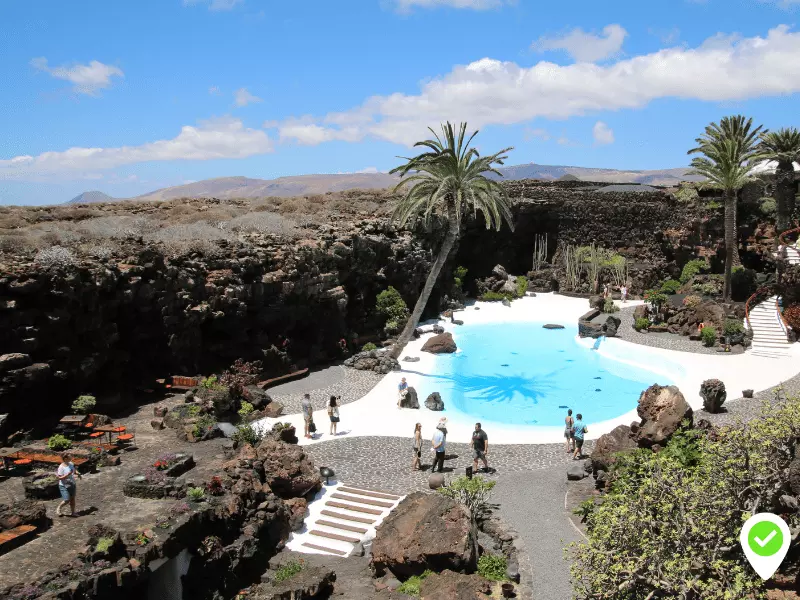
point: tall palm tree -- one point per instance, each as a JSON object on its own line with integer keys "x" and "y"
{"x": 448, "y": 179}
{"x": 730, "y": 154}
{"x": 783, "y": 146}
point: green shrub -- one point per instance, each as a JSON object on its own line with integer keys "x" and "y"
{"x": 59, "y": 442}
{"x": 247, "y": 434}
{"x": 495, "y": 296}
{"x": 655, "y": 298}
{"x": 692, "y": 268}
{"x": 732, "y": 327}
{"x": 641, "y": 323}
{"x": 768, "y": 206}
{"x": 670, "y": 286}
{"x": 391, "y": 305}
{"x": 708, "y": 335}
{"x": 686, "y": 194}
{"x": 743, "y": 283}
{"x": 410, "y": 586}
{"x": 204, "y": 423}
{"x": 609, "y": 306}
{"x": 709, "y": 289}
{"x": 368, "y": 347}
{"x": 522, "y": 286}
{"x": 459, "y": 274}
{"x": 493, "y": 567}
{"x": 211, "y": 383}
{"x": 290, "y": 569}
{"x": 195, "y": 494}
{"x": 83, "y": 405}
{"x": 103, "y": 544}
{"x": 246, "y": 409}
{"x": 192, "y": 410}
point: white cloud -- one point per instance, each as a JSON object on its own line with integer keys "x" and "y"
{"x": 213, "y": 139}
{"x": 407, "y": 5}
{"x": 86, "y": 79}
{"x": 784, "y": 4}
{"x": 491, "y": 92}
{"x": 369, "y": 170}
{"x": 602, "y": 134}
{"x": 243, "y": 97}
{"x": 583, "y": 46}
{"x": 541, "y": 134}
{"x": 214, "y": 5}
{"x": 213, "y": 90}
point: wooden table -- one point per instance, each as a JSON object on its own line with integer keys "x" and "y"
{"x": 74, "y": 420}
{"x": 109, "y": 429}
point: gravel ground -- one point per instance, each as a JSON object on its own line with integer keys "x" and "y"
{"x": 668, "y": 341}
{"x": 350, "y": 384}
{"x": 744, "y": 409}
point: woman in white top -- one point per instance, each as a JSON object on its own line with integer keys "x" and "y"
{"x": 333, "y": 413}
{"x": 66, "y": 484}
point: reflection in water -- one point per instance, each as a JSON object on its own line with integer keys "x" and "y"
{"x": 502, "y": 388}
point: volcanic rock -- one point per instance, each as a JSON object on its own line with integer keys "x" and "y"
{"x": 619, "y": 439}
{"x": 713, "y": 393}
{"x": 426, "y": 531}
{"x": 440, "y": 344}
{"x": 434, "y": 402}
{"x": 373, "y": 360}
{"x": 311, "y": 582}
{"x": 552, "y": 326}
{"x": 454, "y": 586}
{"x": 288, "y": 470}
{"x": 410, "y": 400}
{"x": 662, "y": 410}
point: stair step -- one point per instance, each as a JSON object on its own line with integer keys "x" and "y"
{"x": 370, "y": 493}
{"x": 361, "y": 509}
{"x": 355, "y": 519}
{"x": 324, "y": 549}
{"x": 358, "y": 500}
{"x": 342, "y": 526}
{"x": 334, "y": 536}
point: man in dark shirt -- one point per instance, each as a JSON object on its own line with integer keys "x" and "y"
{"x": 480, "y": 448}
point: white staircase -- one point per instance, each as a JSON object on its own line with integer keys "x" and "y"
{"x": 769, "y": 331}
{"x": 341, "y": 516}
{"x": 792, "y": 254}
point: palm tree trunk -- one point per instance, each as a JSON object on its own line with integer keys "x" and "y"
{"x": 447, "y": 245}
{"x": 784, "y": 195}
{"x": 737, "y": 261}
{"x": 730, "y": 240}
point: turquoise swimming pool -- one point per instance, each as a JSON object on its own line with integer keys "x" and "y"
{"x": 522, "y": 374}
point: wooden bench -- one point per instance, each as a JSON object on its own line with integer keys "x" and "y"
{"x": 12, "y": 538}
{"x": 282, "y": 379}
{"x": 49, "y": 458}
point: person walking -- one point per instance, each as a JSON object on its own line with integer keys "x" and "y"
{"x": 480, "y": 448}
{"x": 438, "y": 443}
{"x": 569, "y": 440}
{"x": 402, "y": 390}
{"x": 333, "y": 413}
{"x": 66, "y": 484}
{"x": 415, "y": 464}
{"x": 580, "y": 430}
{"x": 308, "y": 414}
{"x": 624, "y": 293}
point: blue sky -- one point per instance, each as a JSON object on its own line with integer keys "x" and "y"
{"x": 129, "y": 97}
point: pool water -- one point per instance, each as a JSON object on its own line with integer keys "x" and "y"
{"x": 523, "y": 374}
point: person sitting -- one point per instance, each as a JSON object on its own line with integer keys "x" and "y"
{"x": 402, "y": 390}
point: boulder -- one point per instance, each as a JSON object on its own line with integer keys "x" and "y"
{"x": 611, "y": 326}
{"x": 411, "y": 359}
{"x": 157, "y": 423}
{"x": 747, "y": 393}
{"x": 297, "y": 512}
{"x": 713, "y": 393}
{"x": 311, "y": 582}
{"x": 288, "y": 470}
{"x": 454, "y": 586}
{"x": 688, "y": 318}
{"x": 662, "y": 410}
{"x": 552, "y": 326}
{"x": 619, "y": 439}
{"x": 273, "y": 410}
{"x": 640, "y": 312}
{"x": 14, "y": 360}
{"x": 23, "y": 512}
{"x": 506, "y": 302}
{"x": 434, "y": 402}
{"x": 499, "y": 272}
{"x": 426, "y": 531}
{"x": 256, "y": 396}
{"x": 159, "y": 411}
{"x": 435, "y": 481}
{"x": 41, "y": 486}
{"x": 410, "y": 400}
{"x": 597, "y": 302}
{"x": 377, "y": 361}
{"x": 440, "y": 344}
{"x": 575, "y": 472}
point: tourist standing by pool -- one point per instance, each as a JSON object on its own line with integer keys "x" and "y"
{"x": 480, "y": 448}
{"x": 66, "y": 484}
{"x": 579, "y": 430}
{"x": 333, "y": 413}
{"x": 308, "y": 414}
{"x": 402, "y": 390}
{"x": 415, "y": 464}
{"x": 569, "y": 430}
{"x": 624, "y": 293}
{"x": 438, "y": 444}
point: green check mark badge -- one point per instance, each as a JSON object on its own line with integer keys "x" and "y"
{"x": 765, "y": 539}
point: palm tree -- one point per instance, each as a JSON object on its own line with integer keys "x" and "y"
{"x": 448, "y": 179}
{"x": 729, "y": 156}
{"x": 783, "y": 146}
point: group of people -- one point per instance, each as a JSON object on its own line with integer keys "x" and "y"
{"x": 574, "y": 432}
{"x": 331, "y": 407}
{"x": 623, "y": 292}
{"x": 479, "y": 443}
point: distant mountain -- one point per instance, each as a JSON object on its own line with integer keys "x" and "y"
{"x": 305, "y": 185}
{"x": 90, "y": 197}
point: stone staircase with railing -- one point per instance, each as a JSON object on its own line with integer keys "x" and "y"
{"x": 769, "y": 330}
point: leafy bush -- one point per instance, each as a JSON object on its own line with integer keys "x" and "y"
{"x": 609, "y": 306}
{"x": 670, "y": 286}
{"x": 641, "y": 323}
{"x": 195, "y": 494}
{"x": 743, "y": 283}
{"x": 495, "y": 296}
{"x": 192, "y": 410}
{"x": 83, "y": 405}
{"x": 471, "y": 493}
{"x": 391, "y": 306}
{"x": 55, "y": 256}
{"x": 655, "y": 298}
{"x": 792, "y": 316}
{"x": 246, "y": 409}
{"x": 290, "y": 569}
{"x": 211, "y": 383}
{"x": 410, "y": 586}
{"x": 708, "y": 335}
{"x": 103, "y": 544}
{"x": 686, "y": 194}
{"x": 240, "y": 375}
{"x": 204, "y": 424}
{"x": 692, "y": 268}
{"x": 522, "y": 285}
{"x": 732, "y": 327}
{"x": 59, "y": 442}
{"x": 652, "y": 532}
{"x": 692, "y": 301}
{"x": 247, "y": 434}
{"x": 369, "y": 347}
{"x": 768, "y": 206}
{"x": 459, "y": 274}
{"x": 493, "y": 567}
